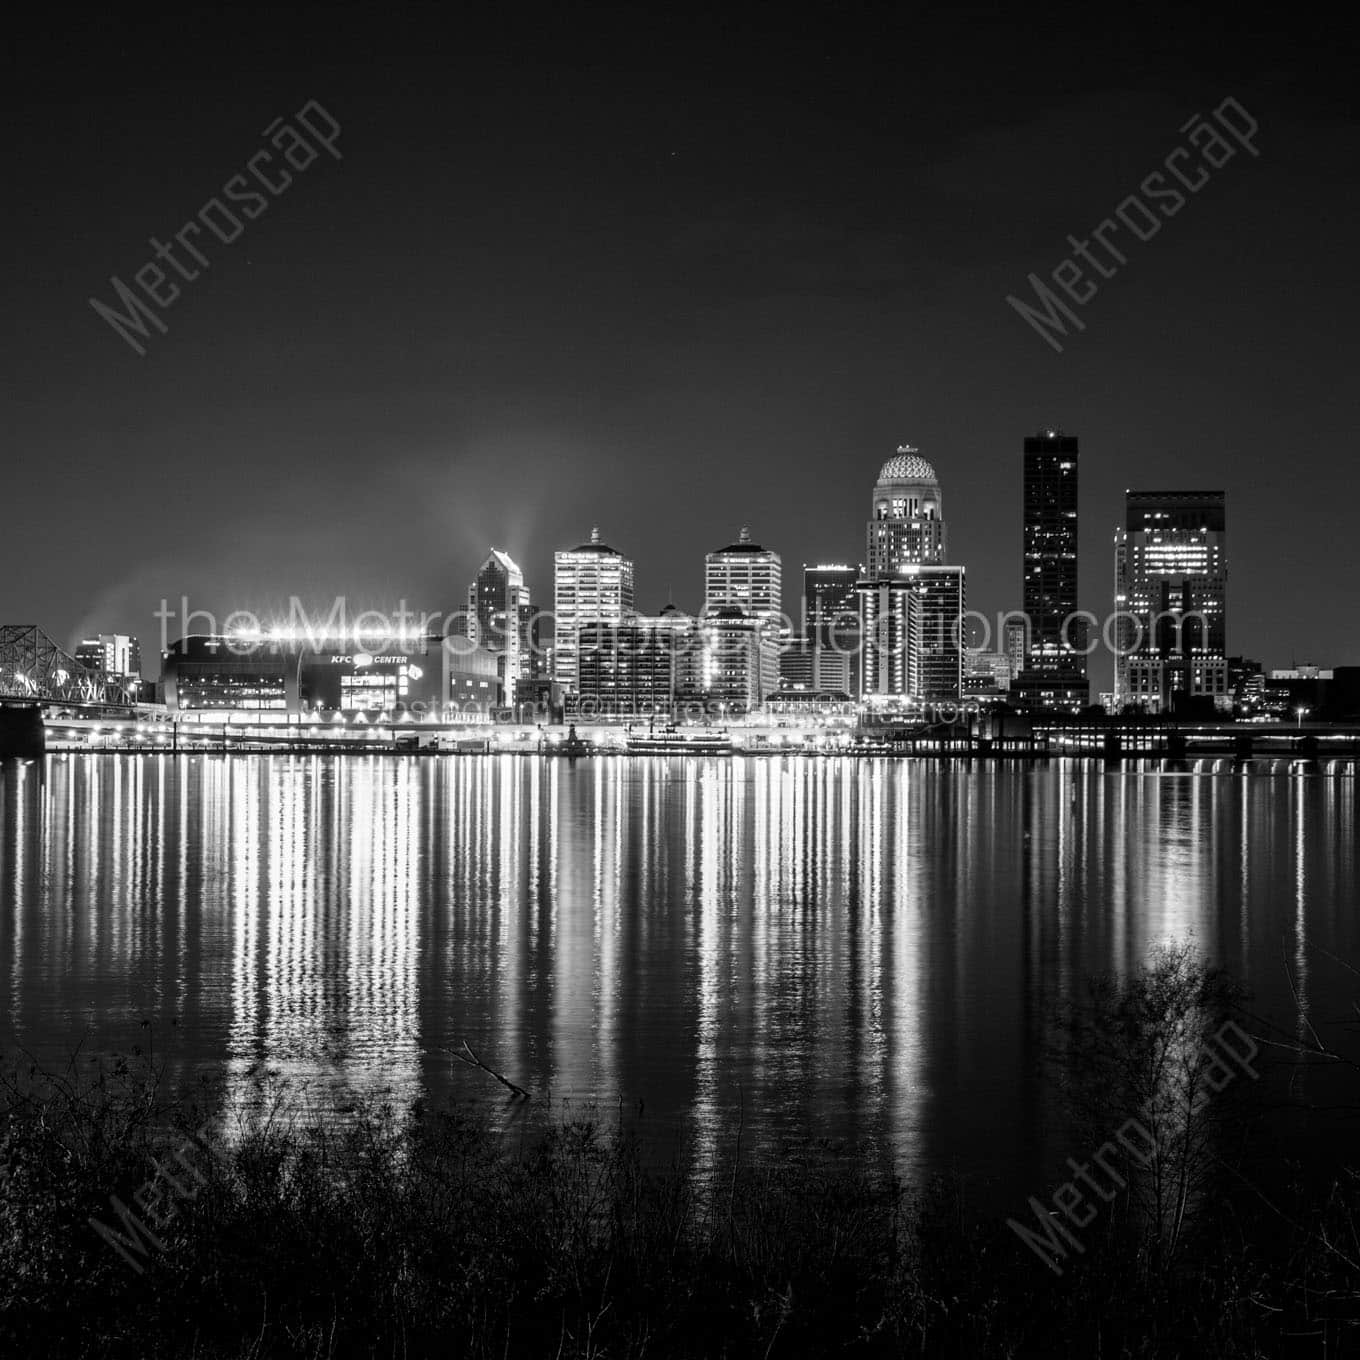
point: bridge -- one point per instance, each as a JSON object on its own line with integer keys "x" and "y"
{"x": 37, "y": 677}
{"x": 33, "y": 669}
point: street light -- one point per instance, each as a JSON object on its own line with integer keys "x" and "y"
{"x": 1298, "y": 713}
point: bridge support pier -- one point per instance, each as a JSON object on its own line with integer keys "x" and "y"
{"x": 22, "y": 732}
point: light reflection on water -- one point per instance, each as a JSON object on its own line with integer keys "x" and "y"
{"x": 855, "y": 950}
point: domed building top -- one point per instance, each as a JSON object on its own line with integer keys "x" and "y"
{"x": 596, "y": 545}
{"x": 907, "y": 466}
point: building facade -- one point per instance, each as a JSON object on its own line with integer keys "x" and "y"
{"x": 1170, "y": 599}
{"x": 592, "y": 583}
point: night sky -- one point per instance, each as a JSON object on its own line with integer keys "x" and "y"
{"x": 667, "y": 275}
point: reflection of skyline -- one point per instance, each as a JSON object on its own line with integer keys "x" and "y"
{"x": 862, "y": 951}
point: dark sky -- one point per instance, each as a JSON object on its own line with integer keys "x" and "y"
{"x": 667, "y": 275}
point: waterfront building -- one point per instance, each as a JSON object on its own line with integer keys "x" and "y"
{"x": 1170, "y": 600}
{"x": 269, "y": 678}
{"x": 734, "y": 662}
{"x": 806, "y": 666}
{"x": 631, "y": 669}
{"x": 497, "y": 604}
{"x": 593, "y": 583}
{"x": 987, "y": 674}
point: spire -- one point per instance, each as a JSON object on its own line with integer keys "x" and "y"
{"x": 595, "y": 534}
{"x": 745, "y": 535}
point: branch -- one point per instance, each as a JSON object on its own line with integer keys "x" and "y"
{"x": 468, "y": 1057}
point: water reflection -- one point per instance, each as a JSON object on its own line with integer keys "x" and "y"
{"x": 860, "y": 951}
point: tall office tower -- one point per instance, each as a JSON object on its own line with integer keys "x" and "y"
{"x": 115, "y": 653}
{"x": 592, "y": 583}
{"x": 828, "y": 599}
{"x": 907, "y": 516}
{"x": 831, "y": 625}
{"x": 745, "y": 576}
{"x": 910, "y": 602}
{"x": 1050, "y": 562}
{"x": 1170, "y": 599}
{"x": 496, "y": 598}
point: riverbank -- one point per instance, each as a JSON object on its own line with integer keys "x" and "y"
{"x": 129, "y": 1226}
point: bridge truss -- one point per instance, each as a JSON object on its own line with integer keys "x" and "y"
{"x": 34, "y": 668}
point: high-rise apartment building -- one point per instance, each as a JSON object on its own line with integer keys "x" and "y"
{"x": 498, "y": 602}
{"x": 1170, "y": 599}
{"x": 592, "y": 583}
{"x": 944, "y": 598}
{"x": 890, "y": 625}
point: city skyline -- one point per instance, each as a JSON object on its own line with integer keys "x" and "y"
{"x": 905, "y": 533}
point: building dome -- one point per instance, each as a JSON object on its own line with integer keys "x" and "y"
{"x": 907, "y": 466}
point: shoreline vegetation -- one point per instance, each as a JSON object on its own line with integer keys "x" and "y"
{"x": 422, "y": 1232}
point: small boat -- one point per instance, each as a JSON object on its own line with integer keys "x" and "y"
{"x": 671, "y": 740}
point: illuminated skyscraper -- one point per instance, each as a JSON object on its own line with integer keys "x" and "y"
{"x": 745, "y": 576}
{"x": 749, "y": 579}
{"x": 828, "y": 599}
{"x": 497, "y": 602}
{"x": 828, "y": 655}
{"x": 592, "y": 583}
{"x": 944, "y": 598}
{"x": 911, "y": 603}
{"x": 906, "y": 518}
{"x": 1050, "y": 563}
{"x": 1170, "y": 599}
